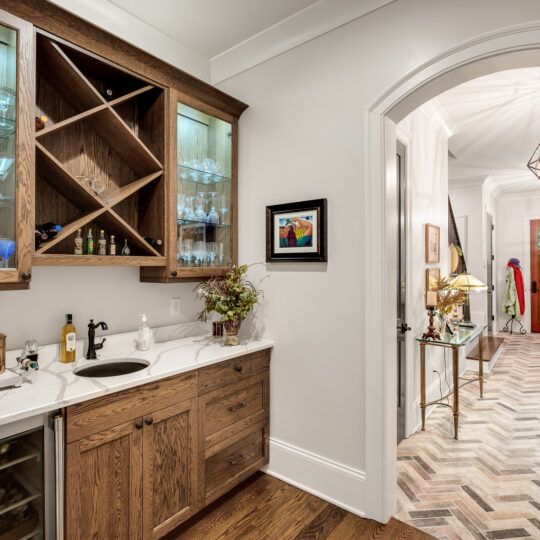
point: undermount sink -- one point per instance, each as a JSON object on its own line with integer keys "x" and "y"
{"x": 111, "y": 367}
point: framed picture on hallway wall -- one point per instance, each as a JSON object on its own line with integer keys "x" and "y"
{"x": 433, "y": 243}
{"x": 432, "y": 276}
{"x": 296, "y": 232}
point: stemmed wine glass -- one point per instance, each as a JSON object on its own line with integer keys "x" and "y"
{"x": 223, "y": 207}
{"x": 187, "y": 251}
{"x": 211, "y": 250}
{"x": 189, "y": 214}
{"x": 200, "y": 252}
{"x": 213, "y": 216}
{"x": 200, "y": 214}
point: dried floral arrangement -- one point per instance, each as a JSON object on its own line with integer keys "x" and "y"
{"x": 232, "y": 295}
{"x": 447, "y": 297}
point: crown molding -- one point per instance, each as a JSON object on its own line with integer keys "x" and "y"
{"x": 299, "y": 28}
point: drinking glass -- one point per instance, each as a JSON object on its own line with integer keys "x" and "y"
{"x": 180, "y": 204}
{"x": 211, "y": 251}
{"x": 98, "y": 187}
{"x": 220, "y": 252}
{"x": 223, "y": 207}
{"x": 200, "y": 213}
{"x": 6, "y": 162}
{"x": 208, "y": 165}
{"x": 195, "y": 166}
{"x": 7, "y": 99}
{"x": 187, "y": 251}
{"x": 7, "y": 248}
{"x": 189, "y": 213}
{"x": 200, "y": 253}
{"x": 213, "y": 216}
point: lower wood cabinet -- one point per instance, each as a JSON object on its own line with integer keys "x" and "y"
{"x": 142, "y": 477}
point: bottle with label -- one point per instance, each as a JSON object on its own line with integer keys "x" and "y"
{"x": 125, "y": 249}
{"x": 112, "y": 245}
{"x": 102, "y": 243}
{"x": 89, "y": 243}
{"x": 143, "y": 338}
{"x": 78, "y": 243}
{"x": 69, "y": 338}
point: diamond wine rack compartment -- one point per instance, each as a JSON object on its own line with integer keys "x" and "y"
{"x": 99, "y": 159}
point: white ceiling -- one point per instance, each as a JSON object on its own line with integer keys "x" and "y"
{"x": 497, "y": 118}
{"x": 211, "y": 27}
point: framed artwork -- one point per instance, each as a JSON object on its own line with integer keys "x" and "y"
{"x": 432, "y": 276}
{"x": 433, "y": 243}
{"x": 296, "y": 232}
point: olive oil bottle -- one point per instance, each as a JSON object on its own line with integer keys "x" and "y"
{"x": 69, "y": 340}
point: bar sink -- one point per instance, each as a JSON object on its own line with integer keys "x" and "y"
{"x": 111, "y": 367}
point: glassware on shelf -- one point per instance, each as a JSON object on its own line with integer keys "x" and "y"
{"x": 7, "y": 248}
{"x": 209, "y": 165}
{"x": 200, "y": 212}
{"x": 220, "y": 252}
{"x": 98, "y": 187}
{"x": 195, "y": 166}
{"x": 223, "y": 207}
{"x": 213, "y": 216}
{"x": 186, "y": 251}
{"x": 7, "y": 100}
{"x": 180, "y": 204}
{"x": 211, "y": 251}
{"x": 200, "y": 253}
{"x": 189, "y": 213}
{"x": 6, "y": 163}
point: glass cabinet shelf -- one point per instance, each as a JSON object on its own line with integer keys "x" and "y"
{"x": 198, "y": 176}
{"x": 205, "y": 223}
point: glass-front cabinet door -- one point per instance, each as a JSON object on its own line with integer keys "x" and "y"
{"x": 206, "y": 193}
{"x": 16, "y": 151}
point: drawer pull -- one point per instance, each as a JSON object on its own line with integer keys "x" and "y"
{"x": 238, "y": 369}
{"x": 237, "y": 460}
{"x": 238, "y": 407}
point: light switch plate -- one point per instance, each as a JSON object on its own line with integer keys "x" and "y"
{"x": 175, "y": 307}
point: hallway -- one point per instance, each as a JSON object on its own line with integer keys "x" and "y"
{"x": 487, "y": 484}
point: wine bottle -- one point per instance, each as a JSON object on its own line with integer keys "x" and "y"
{"x": 89, "y": 242}
{"x": 108, "y": 94}
{"x": 50, "y": 229}
{"x": 102, "y": 243}
{"x": 156, "y": 243}
{"x": 112, "y": 245}
{"x": 125, "y": 249}
{"x": 69, "y": 340}
{"x": 78, "y": 243}
{"x": 40, "y": 237}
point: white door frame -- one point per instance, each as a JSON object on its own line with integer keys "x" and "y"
{"x": 508, "y": 48}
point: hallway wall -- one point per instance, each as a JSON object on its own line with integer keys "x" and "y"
{"x": 426, "y": 142}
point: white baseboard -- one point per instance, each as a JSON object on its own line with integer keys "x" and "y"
{"x": 334, "y": 482}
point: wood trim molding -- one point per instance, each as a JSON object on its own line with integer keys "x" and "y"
{"x": 65, "y": 25}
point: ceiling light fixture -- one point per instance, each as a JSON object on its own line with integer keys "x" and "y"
{"x": 534, "y": 163}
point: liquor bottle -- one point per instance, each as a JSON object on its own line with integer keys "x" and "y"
{"x": 125, "y": 249}
{"x": 156, "y": 243}
{"x": 89, "y": 242}
{"x": 78, "y": 243}
{"x": 40, "y": 122}
{"x": 44, "y": 232}
{"x": 112, "y": 245}
{"x": 102, "y": 243}
{"x": 69, "y": 339}
{"x": 107, "y": 94}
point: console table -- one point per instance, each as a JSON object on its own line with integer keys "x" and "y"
{"x": 461, "y": 337}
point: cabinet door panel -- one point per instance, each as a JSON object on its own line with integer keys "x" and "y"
{"x": 104, "y": 485}
{"x": 170, "y": 468}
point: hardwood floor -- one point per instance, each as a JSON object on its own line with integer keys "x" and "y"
{"x": 487, "y": 484}
{"x": 264, "y": 507}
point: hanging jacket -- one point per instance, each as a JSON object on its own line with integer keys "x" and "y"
{"x": 519, "y": 286}
{"x": 510, "y": 301}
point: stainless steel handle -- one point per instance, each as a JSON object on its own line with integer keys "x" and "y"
{"x": 238, "y": 407}
{"x": 59, "y": 474}
{"x": 237, "y": 460}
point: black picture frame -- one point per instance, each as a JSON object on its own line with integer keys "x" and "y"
{"x": 317, "y": 207}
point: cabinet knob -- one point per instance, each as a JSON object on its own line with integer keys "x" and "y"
{"x": 139, "y": 424}
{"x": 238, "y": 369}
{"x": 149, "y": 421}
{"x": 174, "y": 273}
{"x": 26, "y": 276}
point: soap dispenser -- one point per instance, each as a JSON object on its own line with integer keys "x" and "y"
{"x": 143, "y": 338}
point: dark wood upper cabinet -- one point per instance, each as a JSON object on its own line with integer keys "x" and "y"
{"x": 16, "y": 151}
{"x": 124, "y": 130}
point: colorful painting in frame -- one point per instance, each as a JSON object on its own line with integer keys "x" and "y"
{"x": 296, "y": 232}
{"x": 433, "y": 243}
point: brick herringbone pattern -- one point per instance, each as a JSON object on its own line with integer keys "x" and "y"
{"x": 487, "y": 484}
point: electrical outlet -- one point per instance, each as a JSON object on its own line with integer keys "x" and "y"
{"x": 175, "y": 307}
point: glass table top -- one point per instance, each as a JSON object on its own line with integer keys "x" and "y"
{"x": 462, "y": 336}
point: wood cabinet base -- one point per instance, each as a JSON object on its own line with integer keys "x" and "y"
{"x": 141, "y": 462}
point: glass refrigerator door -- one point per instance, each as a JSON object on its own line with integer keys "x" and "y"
{"x": 8, "y": 88}
{"x": 204, "y": 190}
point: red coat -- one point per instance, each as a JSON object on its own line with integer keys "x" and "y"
{"x": 519, "y": 287}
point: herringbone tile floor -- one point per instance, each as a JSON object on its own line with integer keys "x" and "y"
{"x": 487, "y": 484}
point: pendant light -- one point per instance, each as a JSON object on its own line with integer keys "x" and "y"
{"x": 534, "y": 162}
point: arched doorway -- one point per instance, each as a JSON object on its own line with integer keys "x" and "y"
{"x": 509, "y": 48}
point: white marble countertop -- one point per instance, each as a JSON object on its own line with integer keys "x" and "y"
{"x": 55, "y": 385}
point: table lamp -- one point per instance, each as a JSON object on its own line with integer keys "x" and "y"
{"x": 467, "y": 282}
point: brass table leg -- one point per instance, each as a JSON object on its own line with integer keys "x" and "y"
{"x": 481, "y": 364}
{"x": 423, "y": 384}
{"x": 455, "y": 376}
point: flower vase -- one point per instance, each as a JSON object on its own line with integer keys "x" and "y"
{"x": 440, "y": 323}
{"x": 231, "y": 327}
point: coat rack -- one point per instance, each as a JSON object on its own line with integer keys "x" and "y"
{"x": 509, "y": 326}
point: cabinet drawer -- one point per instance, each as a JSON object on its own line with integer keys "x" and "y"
{"x": 229, "y": 466}
{"x": 102, "y": 413}
{"x": 234, "y": 370}
{"x": 233, "y": 408}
